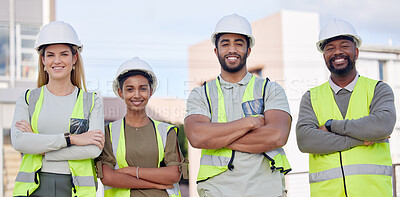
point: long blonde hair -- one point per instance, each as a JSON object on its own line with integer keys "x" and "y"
{"x": 77, "y": 74}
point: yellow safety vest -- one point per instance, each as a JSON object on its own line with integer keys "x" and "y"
{"x": 216, "y": 161}
{"x": 360, "y": 171}
{"x": 83, "y": 172}
{"x": 117, "y": 134}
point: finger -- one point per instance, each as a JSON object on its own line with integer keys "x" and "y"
{"x": 25, "y": 122}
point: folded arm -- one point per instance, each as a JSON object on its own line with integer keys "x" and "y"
{"x": 378, "y": 125}
{"x": 28, "y": 142}
{"x": 272, "y": 135}
{"x": 204, "y": 134}
{"x": 113, "y": 178}
{"x": 310, "y": 139}
{"x": 163, "y": 175}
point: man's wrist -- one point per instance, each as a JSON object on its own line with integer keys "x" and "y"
{"x": 328, "y": 125}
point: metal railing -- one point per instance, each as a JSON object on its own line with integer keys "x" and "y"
{"x": 394, "y": 179}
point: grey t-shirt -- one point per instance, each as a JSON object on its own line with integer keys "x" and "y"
{"x": 251, "y": 175}
{"x": 53, "y": 122}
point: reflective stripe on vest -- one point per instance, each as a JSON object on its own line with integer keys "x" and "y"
{"x": 367, "y": 170}
{"x": 82, "y": 171}
{"x": 216, "y": 161}
{"x": 117, "y": 135}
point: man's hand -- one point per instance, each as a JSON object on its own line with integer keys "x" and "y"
{"x": 366, "y": 143}
{"x": 257, "y": 121}
{"x": 323, "y": 128}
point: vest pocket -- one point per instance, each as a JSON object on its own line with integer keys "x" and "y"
{"x": 253, "y": 107}
{"x": 78, "y": 126}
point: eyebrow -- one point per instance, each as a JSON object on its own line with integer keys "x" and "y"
{"x": 66, "y": 51}
{"x": 139, "y": 85}
{"x": 236, "y": 40}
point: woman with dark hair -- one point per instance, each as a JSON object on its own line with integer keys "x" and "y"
{"x": 141, "y": 156}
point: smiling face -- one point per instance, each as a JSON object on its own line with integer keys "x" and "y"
{"x": 232, "y": 52}
{"x": 340, "y": 56}
{"x": 135, "y": 92}
{"x": 58, "y": 61}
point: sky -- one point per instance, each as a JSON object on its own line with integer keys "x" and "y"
{"x": 160, "y": 31}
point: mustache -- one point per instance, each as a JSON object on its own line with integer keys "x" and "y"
{"x": 225, "y": 56}
{"x": 338, "y": 56}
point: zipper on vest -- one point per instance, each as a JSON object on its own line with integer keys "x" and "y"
{"x": 73, "y": 186}
{"x": 230, "y": 165}
{"x": 344, "y": 178}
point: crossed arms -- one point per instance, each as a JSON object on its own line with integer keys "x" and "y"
{"x": 347, "y": 134}
{"x": 250, "y": 134}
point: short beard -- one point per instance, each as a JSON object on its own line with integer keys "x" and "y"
{"x": 236, "y": 69}
{"x": 341, "y": 72}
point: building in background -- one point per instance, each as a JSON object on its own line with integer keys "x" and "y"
{"x": 285, "y": 52}
{"x": 20, "y": 22}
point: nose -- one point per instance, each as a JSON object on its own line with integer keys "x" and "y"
{"x": 337, "y": 51}
{"x": 232, "y": 48}
{"x": 136, "y": 94}
{"x": 57, "y": 60}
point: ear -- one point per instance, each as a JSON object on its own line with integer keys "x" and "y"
{"x": 216, "y": 51}
{"x": 248, "y": 52}
{"x": 74, "y": 58}
{"x": 120, "y": 93}
{"x": 356, "y": 53}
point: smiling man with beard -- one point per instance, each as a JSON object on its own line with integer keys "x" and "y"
{"x": 240, "y": 122}
{"x": 345, "y": 123}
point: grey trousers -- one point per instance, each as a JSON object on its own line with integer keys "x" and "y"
{"x": 57, "y": 185}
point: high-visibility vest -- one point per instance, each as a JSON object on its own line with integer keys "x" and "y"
{"x": 82, "y": 171}
{"x": 359, "y": 171}
{"x": 216, "y": 161}
{"x": 117, "y": 138}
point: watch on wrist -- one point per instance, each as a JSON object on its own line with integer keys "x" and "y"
{"x": 67, "y": 139}
{"x": 328, "y": 125}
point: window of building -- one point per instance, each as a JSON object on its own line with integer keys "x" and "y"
{"x": 4, "y": 50}
{"x": 26, "y": 55}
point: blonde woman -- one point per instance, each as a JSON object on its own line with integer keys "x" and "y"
{"x": 59, "y": 127}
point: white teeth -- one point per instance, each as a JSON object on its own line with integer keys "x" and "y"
{"x": 57, "y": 68}
{"x": 232, "y": 58}
{"x": 338, "y": 60}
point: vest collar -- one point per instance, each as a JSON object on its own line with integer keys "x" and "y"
{"x": 349, "y": 87}
{"x": 242, "y": 82}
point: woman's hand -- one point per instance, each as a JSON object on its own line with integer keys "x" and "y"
{"x": 95, "y": 137}
{"x": 161, "y": 186}
{"x": 128, "y": 170}
{"x": 24, "y": 126}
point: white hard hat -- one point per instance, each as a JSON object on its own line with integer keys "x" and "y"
{"x": 234, "y": 24}
{"x": 134, "y": 64}
{"x": 57, "y": 32}
{"x": 336, "y": 28}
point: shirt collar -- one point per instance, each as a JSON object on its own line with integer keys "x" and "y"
{"x": 349, "y": 87}
{"x": 244, "y": 81}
